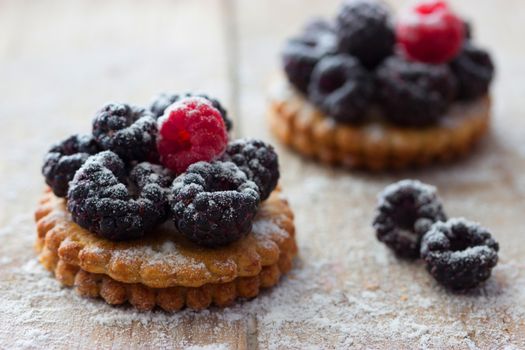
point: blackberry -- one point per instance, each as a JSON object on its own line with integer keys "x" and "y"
{"x": 413, "y": 93}
{"x": 214, "y": 204}
{"x": 459, "y": 254}
{"x": 63, "y": 160}
{"x": 364, "y": 30}
{"x": 474, "y": 71}
{"x": 301, "y": 53}
{"x": 164, "y": 100}
{"x": 145, "y": 174}
{"x": 405, "y": 211}
{"x": 341, "y": 88}
{"x": 128, "y": 131}
{"x": 258, "y": 161}
{"x": 103, "y": 199}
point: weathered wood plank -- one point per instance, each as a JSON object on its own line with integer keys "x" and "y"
{"x": 59, "y": 62}
{"x": 382, "y": 303}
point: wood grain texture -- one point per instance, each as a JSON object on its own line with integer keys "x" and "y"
{"x": 60, "y": 60}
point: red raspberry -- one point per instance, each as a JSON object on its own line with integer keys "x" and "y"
{"x": 191, "y": 130}
{"x": 430, "y": 32}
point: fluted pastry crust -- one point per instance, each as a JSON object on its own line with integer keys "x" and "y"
{"x": 165, "y": 269}
{"x": 374, "y": 145}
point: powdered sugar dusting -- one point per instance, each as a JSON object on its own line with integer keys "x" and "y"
{"x": 307, "y": 310}
{"x": 166, "y": 253}
{"x": 266, "y": 227}
{"x": 345, "y": 291}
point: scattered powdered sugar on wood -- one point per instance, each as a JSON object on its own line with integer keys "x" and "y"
{"x": 345, "y": 291}
{"x": 306, "y": 310}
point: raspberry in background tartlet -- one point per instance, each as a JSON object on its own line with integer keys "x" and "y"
{"x": 368, "y": 90}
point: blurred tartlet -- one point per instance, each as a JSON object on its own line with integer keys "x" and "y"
{"x": 364, "y": 92}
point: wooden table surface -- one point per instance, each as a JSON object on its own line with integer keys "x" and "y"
{"x": 61, "y": 60}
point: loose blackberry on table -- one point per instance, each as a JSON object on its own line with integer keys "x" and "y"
{"x": 364, "y": 30}
{"x": 164, "y": 100}
{"x": 127, "y": 130}
{"x": 341, "y": 88}
{"x": 474, "y": 71}
{"x": 64, "y": 159}
{"x": 459, "y": 254}
{"x": 414, "y": 93}
{"x": 103, "y": 199}
{"x": 405, "y": 211}
{"x": 214, "y": 204}
{"x": 257, "y": 160}
{"x": 301, "y": 54}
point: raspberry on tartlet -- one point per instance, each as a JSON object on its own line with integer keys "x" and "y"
{"x": 162, "y": 101}
{"x": 191, "y": 130}
{"x": 430, "y": 32}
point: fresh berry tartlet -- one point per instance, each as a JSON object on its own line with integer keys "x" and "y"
{"x": 369, "y": 91}
{"x": 159, "y": 208}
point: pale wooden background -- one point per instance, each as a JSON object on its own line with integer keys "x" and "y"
{"x": 60, "y": 60}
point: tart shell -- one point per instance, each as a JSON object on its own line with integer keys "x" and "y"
{"x": 165, "y": 269}
{"x": 374, "y": 145}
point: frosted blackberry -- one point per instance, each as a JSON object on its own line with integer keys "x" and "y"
{"x": 405, "y": 211}
{"x": 145, "y": 174}
{"x": 164, "y": 100}
{"x": 103, "y": 199}
{"x": 474, "y": 71}
{"x": 413, "y": 93}
{"x": 258, "y": 161}
{"x": 63, "y": 160}
{"x": 214, "y": 204}
{"x": 459, "y": 254}
{"x": 126, "y": 130}
{"x": 342, "y": 88}
{"x": 364, "y": 30}
{"x": 301, "y": 53}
